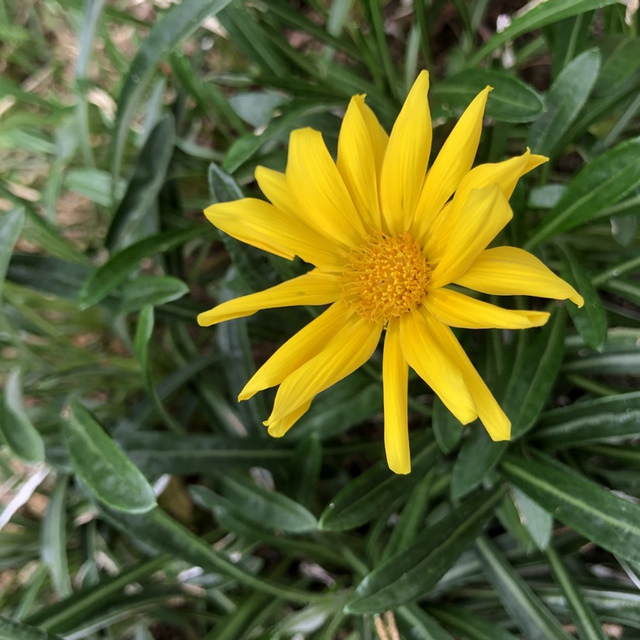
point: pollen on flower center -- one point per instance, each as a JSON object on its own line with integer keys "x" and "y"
{"x": 385, "y": 277}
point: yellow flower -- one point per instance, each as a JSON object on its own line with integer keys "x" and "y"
{"x": 386, "y": 238}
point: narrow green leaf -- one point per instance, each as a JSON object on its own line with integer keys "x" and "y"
{"x": 621, "y": 60}
{"x": 418, "y": 625}
{"x": 18, "y": 431}
{"x": 535, "y": 17}
{"x": 526, "y": 394}
{"x": 102, "y": 466}
{"x": 123, "y": 264}
{"x": 146, "y": 181}
{"x": 588, "y": 625}
{"x": 411, "y": 519}
{"x": 521, "y": 603}
{"x": 564, "y": 100}
{"x": 510, "y": 101}
{"x": 529, "y": 389}
{"x": 151, "y": 291}
{"x": 10, "y": 630}
{"x": 599, "y": 184}
{"x": 176, "y": 25}
{"x": 537, "y": 521}
{"x": 273, "y": 509}
{"x": 10, "y": 227}
{"x": 407, "y": 576}
{"x": 303, "y": 478}
{"x": 158, "y": 453}
{"x": 601, "y": 516}
{"x": 591, "y": 319}
{"x": 370, "y": 493}
{"x": 54, "y": 538}
{"x": 158, "y": 529}
{"x": 468, "y": 624}
{"x": 612, "y": 419}
{"x": 446, "y": 428}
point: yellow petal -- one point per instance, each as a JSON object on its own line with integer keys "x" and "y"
{"x": 395, "y": 376}
{"x": 356, "y": 164}
{"x": 509, "y": 271}
{"x": 300, "y": 348}
{"x": 505, "y": 174}
{"x": 316, "y": 183}
{"x": 457, "y": 310}
{"x": 350, "y": 348}
{"x": 278, "y": 428}
{"x": 484, "y": 215}
{"x": 423, "y": 353}
{"x": 252, "y": 221}
{"x": 311, "y": 288}
{"x": 378, "y": 136}
{"x": 405, "y": 162}
{"x": 492, "y": 416}
{"x": 269, "y": 228}
{"x": 453, "y": 162}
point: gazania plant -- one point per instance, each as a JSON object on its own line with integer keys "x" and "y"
{"x": 391, "y": 241}
{"x": 375, "y": 239}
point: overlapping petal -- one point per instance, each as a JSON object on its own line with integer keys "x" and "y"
{"x": 318, "y": 188}
{"x": 312, "y": 288}
{"x": 458, "y": 310}
{"x": 267, "y": 227}
{"x": 356, "y": 163}
{"x": 379, "y": 137}
{"x": 483, "y": 216}
{"x": 425, "y": 356}
{"x": 453, "y": 162}
{"x": 491, "y": 415}
{"x": 277, "y": 428}
{"x": 504, "y": 174}
{"x": 299, "y": 349}
{"x": 349, "y": 349}
{"x": 406, "y": 158}
{"x": 395, "y": 378}
{"x": 509, "y": 271}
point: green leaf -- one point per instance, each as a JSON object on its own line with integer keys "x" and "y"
{"x": 177, "y": 25}
{"x": 158, "y": 529}
{"x": 537, "y": 521}
{"x": 101, "y": 465}
{"x": 468, "y": 624}
{"x": 510, "y": 101}
{"x": 523, "y": 606}
{"x": 11, "y": 630}
{"x": 446, "y": 428}
{"x": 124, "y": 263}
{"x": 151, "y": 291}
{"x": 407, "y": 576}
{"x": 273, "y": 509}
{"x": 527, "y": 392}
{"x": 18, "y": 431}
{"x": 591, "y": 319}
{"x": 418, "y": 625}
{"x": 529, "y": 389}
{"x": 370, "y": 493}
{"x": 10, "y": 227}
{"x": 54, "y": 539}
{"x": 537, "y": 16}
{"x": 564, "y": 100}
{"x": 621, "y": 60}
{"x": 597, "y": 185}
{"x": 603, "y": 517}
{"x": 149, "y": 175}
{"x": 158, "y": 453}
{"x": 612, "y": 419}
{"x": 588, "y": 625}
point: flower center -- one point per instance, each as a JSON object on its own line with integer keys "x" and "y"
{"x": 385, "y": 277}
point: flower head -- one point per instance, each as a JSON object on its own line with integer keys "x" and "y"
{"x": 386, "y": 238}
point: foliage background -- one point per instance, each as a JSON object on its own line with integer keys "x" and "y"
{"x": 119, "y": 122}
